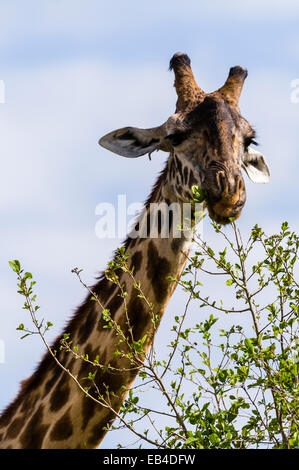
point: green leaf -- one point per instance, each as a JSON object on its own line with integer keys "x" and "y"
{"x": 284, "y": 226}
{"x": 214, "y": 439}
{"x": 199, "y": 194}
{"x": 191, "y": 440}
{"x": 294, "y": 441}
{"x": 249, "y": 345}
{"x": 27, "y": 276}
{"x": 15, "y": 265}
{"x": 106, "y": 314}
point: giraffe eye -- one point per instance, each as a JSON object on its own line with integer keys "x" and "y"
{"x": 177, "y": 137}
{"x": 249, "y": 141}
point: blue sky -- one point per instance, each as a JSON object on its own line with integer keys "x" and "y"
{"x": 74, "y": 70}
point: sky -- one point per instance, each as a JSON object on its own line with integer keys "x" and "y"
{"x": 75, "y": 70}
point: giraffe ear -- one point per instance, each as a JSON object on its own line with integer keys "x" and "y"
{"x": 255, "y": 165}
{"x": 132, "y": 142}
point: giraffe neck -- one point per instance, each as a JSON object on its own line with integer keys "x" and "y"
{"x": 50, "y": 410}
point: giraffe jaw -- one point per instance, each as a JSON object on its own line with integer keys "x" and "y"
{"x": 222, "y": 219}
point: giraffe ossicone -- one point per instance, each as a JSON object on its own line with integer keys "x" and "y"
{"x": 209, "y": 143}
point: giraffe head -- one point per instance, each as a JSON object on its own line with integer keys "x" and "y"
{"x": 208, "y": 140}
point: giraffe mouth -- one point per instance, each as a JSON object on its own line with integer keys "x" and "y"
{"x": 223, "y": 212}
{"x": 222, "y": 219}
{"x": 226, "y": 196}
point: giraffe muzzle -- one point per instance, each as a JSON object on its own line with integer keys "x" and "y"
{"x": 226, "y": 196}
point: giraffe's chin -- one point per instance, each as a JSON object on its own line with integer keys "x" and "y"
{"x": 221, "y": 219}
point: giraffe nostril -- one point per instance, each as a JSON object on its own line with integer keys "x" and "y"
{"x": 240, "y": 184}
{"x": 221, "y": 181}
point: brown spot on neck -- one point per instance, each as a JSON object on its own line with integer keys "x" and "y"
{"x": 63, "y": 429}
{"x": 158, "y": 268}
{"x": 33, "y": 434}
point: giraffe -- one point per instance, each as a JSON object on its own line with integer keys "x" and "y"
{"x": 208, "y": 142}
